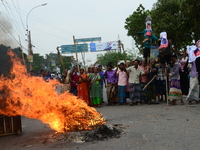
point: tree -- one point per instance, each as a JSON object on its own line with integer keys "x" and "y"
{"x": 136, "y": 23}
{"x": 179, "y": 18}
{"x": 38, "y": 62}
{"x": 191, "y": 14}
{"x": 114, "y": 57}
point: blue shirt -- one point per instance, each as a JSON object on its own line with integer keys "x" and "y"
{"x": 101, "y": 73}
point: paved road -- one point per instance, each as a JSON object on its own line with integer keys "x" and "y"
{"x": 146, "y": 127}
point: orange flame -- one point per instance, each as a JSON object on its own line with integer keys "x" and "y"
{"x": 34, "y": 98}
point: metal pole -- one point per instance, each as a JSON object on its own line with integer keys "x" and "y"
{"x": 28, "y": 33}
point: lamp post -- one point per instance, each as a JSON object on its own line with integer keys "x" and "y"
{"x": 30, "y": 12}
{"x": 30, "y": 52}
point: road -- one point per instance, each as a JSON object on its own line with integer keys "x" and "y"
{"x": 146, "y": 127}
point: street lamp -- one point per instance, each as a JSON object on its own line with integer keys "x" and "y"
{"x": 28, "y": 32}
{"x": 30, "y": 52}
{"x": 30, "y": 12}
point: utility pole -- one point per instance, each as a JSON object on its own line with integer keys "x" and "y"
{"x": 119, "y": 46}
{"x": 76, "y": 53}
{"x": 30, "y": 51}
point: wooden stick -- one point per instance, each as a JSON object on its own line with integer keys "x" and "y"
{"x": 149, "y": 82}
{"x": 59, "y": 55}
{"x": 166, "y": 83}
{"x": 76, "y": 54}
{"x": 123, "y": 52}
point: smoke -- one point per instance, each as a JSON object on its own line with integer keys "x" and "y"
{"x": 6, "y": 31}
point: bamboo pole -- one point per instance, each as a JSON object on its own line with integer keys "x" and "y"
{"x": 76, "y": 53}
{"x": 149, "y": 82}
{"x": 166, "y": 83}
{"x": 59, "y": 55}
{"x": 123, "y": 52}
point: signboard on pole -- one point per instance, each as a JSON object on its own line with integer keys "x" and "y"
{"x": 88, "y": 39}
{"x": 103, "y": 46}
{"x": 70, "y": 48}
{"x": 30, "y": 58}
{"x": 154, "y": 52}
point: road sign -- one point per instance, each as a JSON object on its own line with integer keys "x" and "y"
{"x": 88, "y": 39}
{"x": 70, "y": 48}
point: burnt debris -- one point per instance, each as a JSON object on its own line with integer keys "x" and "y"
{"x": 103, "y": 133}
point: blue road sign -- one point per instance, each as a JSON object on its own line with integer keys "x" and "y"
{"x": 70, "y": 48}
{"x": 88, "y": 39}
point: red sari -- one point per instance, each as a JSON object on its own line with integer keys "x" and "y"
{"x": 83, "y": 89}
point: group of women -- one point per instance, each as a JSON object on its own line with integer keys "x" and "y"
{"x": 87, "y": 86}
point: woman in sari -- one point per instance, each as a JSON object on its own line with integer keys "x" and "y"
{"x": 95, "y": 88}
{"x": 83, "y": 86}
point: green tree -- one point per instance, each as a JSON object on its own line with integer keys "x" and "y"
{"x": 54, "y": 57}
{"x": 136, "y": 23}
{"x": 38, "y": 62}
{"x": 167, "y": 16}
{"x": 114, "y": 57}
{"x": 191, "y": 15}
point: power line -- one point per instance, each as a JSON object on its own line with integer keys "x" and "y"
{"x": 18, "y": 28}
{"x": 19, "y": 13}
{"x": 16, "y": 25}
{"x": 46, "y": 23}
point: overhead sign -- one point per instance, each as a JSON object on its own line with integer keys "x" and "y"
{"x": 103, "y": 46}
{"x": 88, "y": 39}
{"x": 70, "y": 48}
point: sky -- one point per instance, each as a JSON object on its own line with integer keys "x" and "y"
{"x": 56, "y": 23}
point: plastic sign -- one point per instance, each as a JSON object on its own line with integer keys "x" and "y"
{"x": 103, "y": 46}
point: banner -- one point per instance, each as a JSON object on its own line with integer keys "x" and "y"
{"x": 163, "y": 40}
{"x": 191, "y": 55}
{"x": 103, "y": 46}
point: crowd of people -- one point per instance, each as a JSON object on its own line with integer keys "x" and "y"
{"x": 137, "y": 81}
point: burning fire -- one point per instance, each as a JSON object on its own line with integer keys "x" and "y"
{"x": 34, "y": 98}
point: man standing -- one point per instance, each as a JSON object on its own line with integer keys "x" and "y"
{"x": 74, "y": 82}
{"x": 122, "y": 81}
{"x": 160, "y": 81}
{"x": 134, "y": 83}
{"x": 110, "y": 84}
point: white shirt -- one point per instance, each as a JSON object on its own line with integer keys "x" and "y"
{"x": 134, "y": 74}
